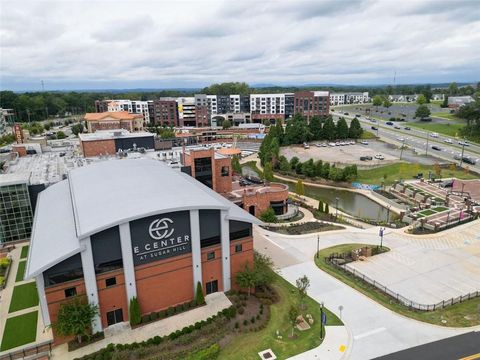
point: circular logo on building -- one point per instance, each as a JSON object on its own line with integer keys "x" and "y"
{"x": 160, "y": 228}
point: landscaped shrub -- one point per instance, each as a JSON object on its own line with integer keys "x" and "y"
{"x": 199, "y": 298}
{"x": 237, "y": 325}
{"x": 4, "y": 262}
{"x": 245, "y": 322}
{"x": 170, "y": 311}
{"x": 146, "y": 318}
{"x": 153, "y": 316}
{"x": 241, "y": 310}
{"x": 252, "y": 320}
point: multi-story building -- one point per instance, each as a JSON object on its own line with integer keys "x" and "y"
{"x": 7, "y": 116}
{"x": 163, "y": 112}
{"x": 459, "y": 101}
{"x": 201, "y": 116}
{"x": 267, "y": 103}
{"x": 438, "y": 97}
{"x": 337, "y": 99}
{"x": 114, "y": 120}
{"x": 131, "y": 106}
{"x": 155, "y": 242}
{"x": 312, "y": 103}
{"x": 356, "y": 98}
{"x": 289, "y": 105}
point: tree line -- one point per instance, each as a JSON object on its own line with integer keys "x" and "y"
{"x": 316, "y": 169}
{"x": 298, "y": 131}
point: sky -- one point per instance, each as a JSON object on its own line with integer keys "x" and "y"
{"x": 183, "y": 44}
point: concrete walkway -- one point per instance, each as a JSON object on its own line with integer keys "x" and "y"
{"x": 215, "y": 302}
{"x": 375, "y": 330}
{"x": 335, "y": 346}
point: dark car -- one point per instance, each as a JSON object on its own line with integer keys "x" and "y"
{"x": 389, "y": 123}
{"x": 469, "y": 160}
{"x": 345, "y": 113}
{"x": 363, "y": 158}
{"x": 406, "y": 128}
{"x": 374, "y": 128}
{"x": 435, "y": 147}
{"x": 368, "y": 157}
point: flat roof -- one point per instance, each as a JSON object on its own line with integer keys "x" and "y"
{"x": 108, "y": 193}
{"x": 113, "y": 134}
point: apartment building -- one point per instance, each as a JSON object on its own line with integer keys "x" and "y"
{"x": 349, "y": 98}
{"x": 164, "y": 112}
{"x": 131, "y": 106}
{"x": 312, "y": 103}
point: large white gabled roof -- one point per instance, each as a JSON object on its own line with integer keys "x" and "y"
{"x": 105, "y": 194}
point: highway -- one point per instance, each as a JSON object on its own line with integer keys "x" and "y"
{"x": 417, "y": 139}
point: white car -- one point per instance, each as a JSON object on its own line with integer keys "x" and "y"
{"x": 448, "y": 141}
{"x": 318, "y": 145}
{"x": 364, "y": 142}
{"x": 463, "y": 143}
{"x": 306, "y": 146}
{"x": 434, "y": 135}
{"x": 379, "y": 157}
{"x": 400, "y": 139}
{"x": 332, "y": 144}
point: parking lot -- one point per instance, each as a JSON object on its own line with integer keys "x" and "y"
{"x": 350, "y": 154}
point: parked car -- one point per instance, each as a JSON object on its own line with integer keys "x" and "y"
{"x": 407, "y": 128}
{"x": 434, "y": 135}
{"x": 463, "y": 143}
{"x": 400, "y": 139}
{"x": 368, "y": 157}
{"x": 448, "y": 141}
{"x": 379, "y": 157}
{"x": 306, "y": 146}
{"x": 363, "y": 158}
{"x": 345, "y": 114}
{"x": 364, "y": 142}
{"x": 435, "y": 147}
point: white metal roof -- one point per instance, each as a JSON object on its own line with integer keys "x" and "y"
{"x": 105, "y": 194}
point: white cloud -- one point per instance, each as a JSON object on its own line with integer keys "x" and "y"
{"x": 182, "y": 43}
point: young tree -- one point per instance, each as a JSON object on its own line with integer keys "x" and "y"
{"x": 262, "y": 268}
{"x": 342, "y": 128}
{"x": 355, "y": 131}
{"x": 421, "y": 99}
{"x": 246, "y": 279}
{"x": 318, "y": 168}
{"x": 75, "y": 318}
{"x": 445, "y": 101}
{"x": 237, "y": 168}
{"x": 308, "y": 168}
{"x": 327, "y": 209}
{"x": 284, "y": 165}
{"x": 293, "y": 162}
{"x": 320, "y": 206}
{"x": 268, "y": 172}
{"x": 77, "y": 129}
{"x": 437, "y": 170}
{"x": 387, "y": 103}
{"x": 303, "y": 283}
{"x": 199, "y": 298}
{"x": 377, "y": 101}
{"x": 422, "y": 112}
{"x": 299, "y": 188}
{"x": 134, "y": 312}
{"x": 293, "y": 317}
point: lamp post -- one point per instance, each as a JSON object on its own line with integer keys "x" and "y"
{"x": 318, "y": 245}
{"x": 380, "y": 233}
{"x": 463, "y": 150}
{"x": 321, "y": 320}
{"x": 336, "y": 207}
{"x": 403, "y": 147}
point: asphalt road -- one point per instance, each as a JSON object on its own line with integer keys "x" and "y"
{"x": 418, "y": 139}
{"x": 464, "y": 346}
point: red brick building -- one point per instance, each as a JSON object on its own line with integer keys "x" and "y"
{"x": 311, "y": 103}
{"x": 164, "y": 112}
{"x": 110, "y": 142}
{"x": 133, "y": 228}
{"x": 114, "y": 120}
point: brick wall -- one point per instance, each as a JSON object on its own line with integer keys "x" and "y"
{"x": 112, "y": 297}
{"x": 97, "y": 147}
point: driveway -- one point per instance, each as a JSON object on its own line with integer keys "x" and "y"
{"x": 375, "y": 330}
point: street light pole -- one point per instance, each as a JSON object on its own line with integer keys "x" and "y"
{"x": 336, "y": 208}
{"x": 321, "y": 320}
{"x": 381, "y": 237}
{"x": 318, "y": 245}
{"x": 428, "y": 137}
{"x": 463, "y": 150}
{"x": 403, "y": 146}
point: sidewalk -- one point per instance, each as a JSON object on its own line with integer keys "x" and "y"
{"x": 334, "y": 346}
{"x": 215, "y": 302}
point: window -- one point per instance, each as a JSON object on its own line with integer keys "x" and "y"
{"x": 238, "y": 248}
{"x": 70, "y": 292}
{"x": 114, "y": 317}
{"x": 110, "y": 281}
{"x": 225, "y": 170}
{"x": 211, "y": 255}
{"x": 212, "y": 286}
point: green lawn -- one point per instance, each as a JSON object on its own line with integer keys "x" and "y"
{"x": 459, "y": 315}
{"x": 20, "y": 271}
{"x": 445, "y": 115}
{"x": 24, "y": 253}
{"x": 452, "y": 130}
{"x": 368, "y": 135}
{"x": 247, "y": 346}
{"x": 19, "y": 330}
{"x": 24, "y": 296}
{"x": 427, "y": 212}
{"x": 405, "y": 171}
{"x": 440, "y": 209}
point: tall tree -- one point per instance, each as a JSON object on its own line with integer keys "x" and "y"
{"x": 377, "y": 100}
{"x": 355, "y": 131}
{"x": 421, "y": 99}
{"x": 315, "y": 128}
{"x": 296, "y": 131}
{"x": 342, "y": 128}
{"x": 75, "y": 318}
{"x": 453, "y": 88}
{"x": 329, "y": 129}
{"x": 422, "y": 112}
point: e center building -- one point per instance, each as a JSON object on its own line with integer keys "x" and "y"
{"x": 134, "y": 228}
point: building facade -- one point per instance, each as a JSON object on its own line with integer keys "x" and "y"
{"x": 155, "y": 242}
{"x": 130, "y": 106}
{"x": 164, "y": 112}
{"x": 106, "y": 142}
{"x": 312, "y": 103}
{"x": 113, "y": 121}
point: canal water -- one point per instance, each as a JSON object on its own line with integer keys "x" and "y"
{"x": 349, "y": 202}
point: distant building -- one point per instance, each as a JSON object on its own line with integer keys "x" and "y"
{"x": 163, "y": 112}
{"x": 7, "y": 116}
{"x": 114, "y": 121}
{"x": 337, "y": 99}
{"x": 349, "y": 98}
{"x": 312, "y": 103}
{"x": 403, "y": 98}
{"x": 130, "y": 106}
{"x": 458, "y": 101}
{"x": 438, "y": 97}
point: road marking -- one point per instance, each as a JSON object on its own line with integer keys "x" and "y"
{"x": 368, "y": 333}
{"x": 471, "y": 357}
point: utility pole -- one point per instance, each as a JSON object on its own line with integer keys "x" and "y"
{"x": 43, "y": 85}
{"x": 318, "y": 245}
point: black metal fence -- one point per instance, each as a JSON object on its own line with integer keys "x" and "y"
{"x": 396, "y": 296}
{"x": 38, "y": 351}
